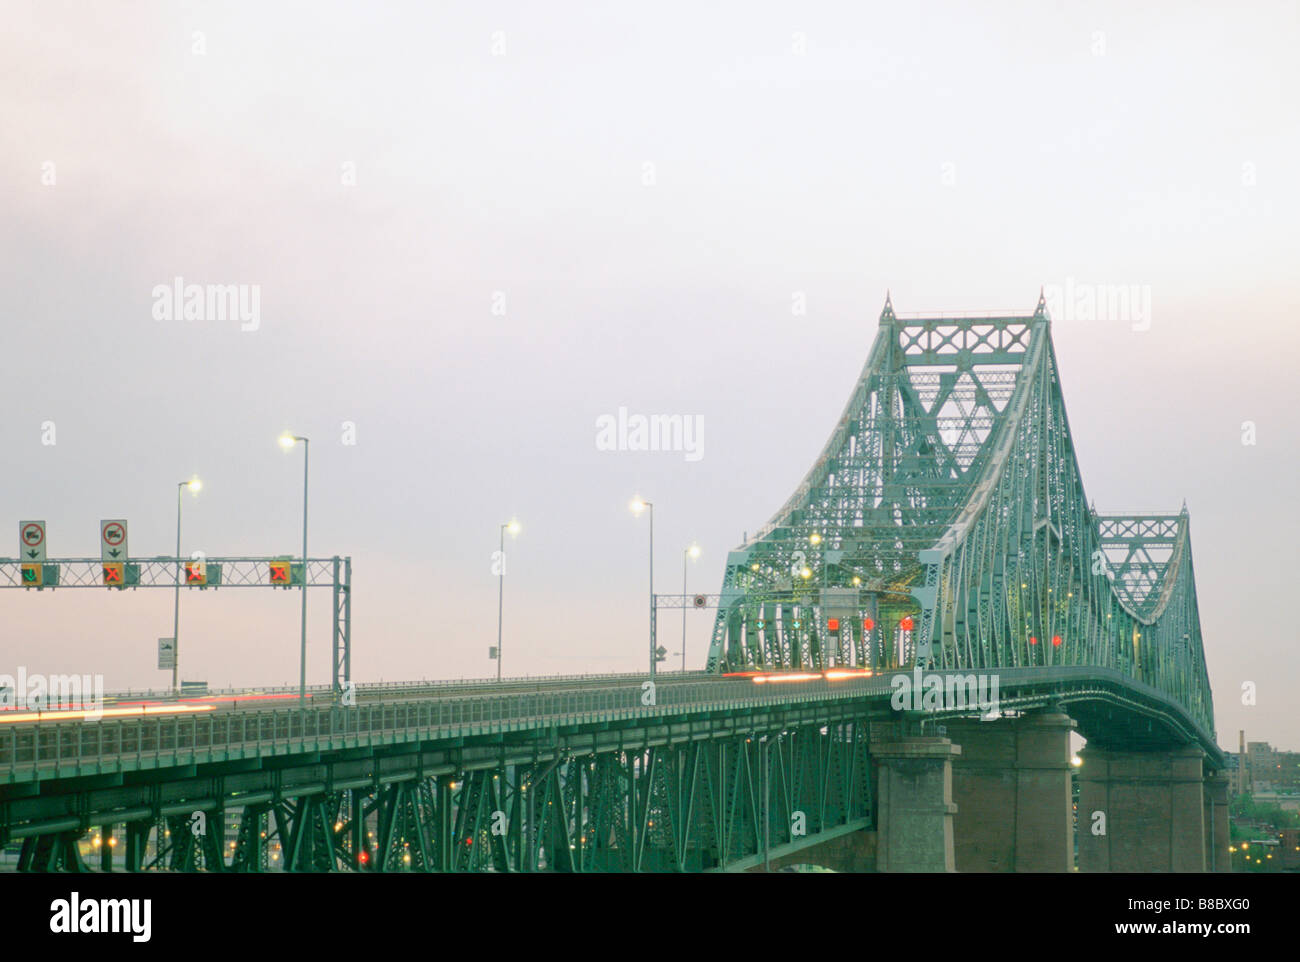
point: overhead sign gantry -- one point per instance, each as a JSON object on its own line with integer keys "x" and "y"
{"x": 32, "y": 569}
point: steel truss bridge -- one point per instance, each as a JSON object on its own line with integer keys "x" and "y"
{"x": 943, "y": 530}
{"x": 947, "y": 512}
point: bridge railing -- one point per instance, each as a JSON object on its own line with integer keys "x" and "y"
{"x": 390, "y": 687}
{"x": 63, "y": 747}
{"x": 41, "y": 750}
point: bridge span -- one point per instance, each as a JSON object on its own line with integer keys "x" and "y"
{"x": 582, "y": 774}
{"x": 899, "y": 659}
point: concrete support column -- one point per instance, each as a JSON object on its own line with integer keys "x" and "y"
{"x": 914, "y": 801}
{"x": 1152, "y": 811}
{"x": 1012, "y": 789}
{"x": 1215, "y": 791}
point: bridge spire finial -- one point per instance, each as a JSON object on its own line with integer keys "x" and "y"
{"x": 1041, "y": 309}
{"x": 887, "y": 314}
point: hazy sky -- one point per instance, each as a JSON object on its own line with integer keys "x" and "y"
{"x": 476, "y": 228}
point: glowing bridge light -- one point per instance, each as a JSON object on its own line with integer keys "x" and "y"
{"x": 92, "y": 715}
{"x": 786, "y": 677}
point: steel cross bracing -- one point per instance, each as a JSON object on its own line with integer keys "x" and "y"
{"x": 949, "y": 499}
{"x": 690, "y": 807}
{"x": 686, "y": 792}
{"x": 216, "y": 573}
{"x": 167, "y": 572}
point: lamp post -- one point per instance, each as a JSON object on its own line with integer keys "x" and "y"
{"x": 692, "y": 552}
{"x": 639, "y": 505}
{"x": 194, "y": 484}
{"x": 287, "y": 441}
{"x": 513, "y": 528}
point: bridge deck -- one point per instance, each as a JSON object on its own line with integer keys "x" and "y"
{"x": 38, "y": 752}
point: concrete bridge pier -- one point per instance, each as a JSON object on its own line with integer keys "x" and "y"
{"x": 1012, "y": 789}
{"x": 1152, "y": 811}
{"x": 1217, "y": 840}
{"x": 914, "y": 800}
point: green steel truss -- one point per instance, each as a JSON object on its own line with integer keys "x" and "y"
{"x": 690, "y": 805}
{"x": 949, "y": 499}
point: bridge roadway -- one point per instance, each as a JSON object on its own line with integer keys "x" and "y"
{"x": 60, "y": 778}
{"x": 1136, "y": 715}
{"x": 252, "y": 699}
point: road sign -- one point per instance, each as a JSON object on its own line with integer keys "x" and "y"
{"x": 32, "y": 575}
{"x": 286, "y": 573}
{"x": 166, "y": 652}
{"x": 31, "y": 541}
{"x": 113, "y": 574}
{"x": 112, "y": 541}
{"x": 196, "y": 573}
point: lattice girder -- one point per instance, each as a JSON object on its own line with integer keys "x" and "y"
{"x": 948, "y": 504}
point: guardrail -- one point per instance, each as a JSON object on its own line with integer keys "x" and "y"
{"x": 63, "y": 749}
{"x": 381, "y": 687}
{"x": 153, "y": 742}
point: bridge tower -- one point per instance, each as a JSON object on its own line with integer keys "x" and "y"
{"x": 944, "y": 526}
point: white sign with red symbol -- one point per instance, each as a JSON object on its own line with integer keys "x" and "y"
{"x": 112, "y": 540}
{"x": 31, "y": 541}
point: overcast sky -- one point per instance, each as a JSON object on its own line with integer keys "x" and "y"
{"x": 476, "y": 228}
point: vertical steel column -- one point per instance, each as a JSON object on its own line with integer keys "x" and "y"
{"x": 335, "y": 640}
{"x": 357, "y": 828}
{"x": 302, "y": 658}
{"x": 176, "y": 601}
{"x": 501, "y": 592}
{"x": 347, "y": 621}
{"x": 342, "y": 658}
{"x": 652, "y": 590}
{"x": 105, "y": 849}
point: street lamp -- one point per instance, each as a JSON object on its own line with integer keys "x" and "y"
{"x": 638, "y": 505}
{"x": 692, "y": 552}
{"x": 195, "y": 485}
{"x": 513, "y": 527}
{"x": 287, "y": 441}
